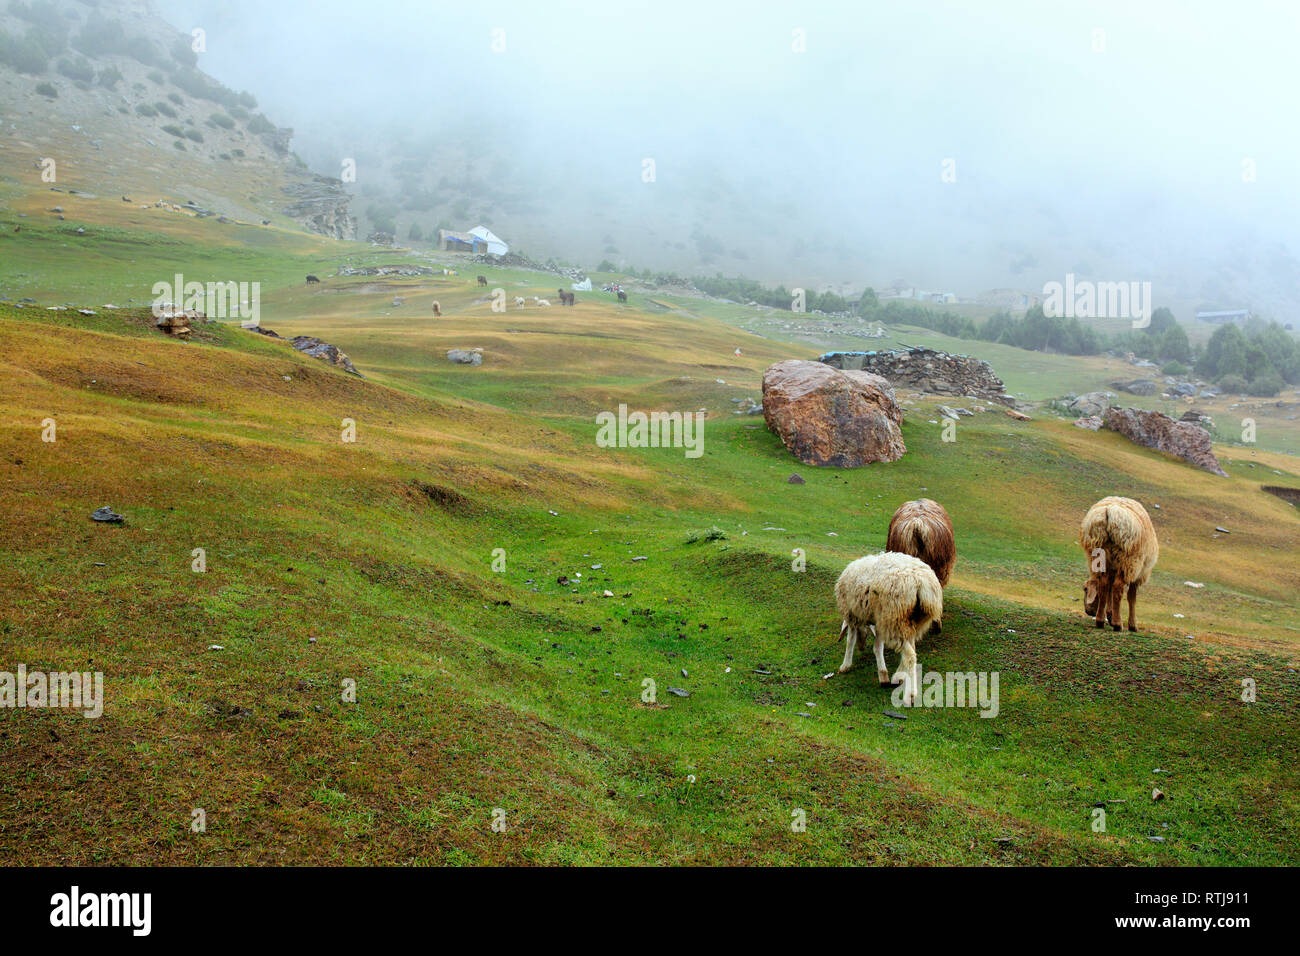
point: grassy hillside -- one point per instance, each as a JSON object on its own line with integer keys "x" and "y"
{"x": 372, "y": 561}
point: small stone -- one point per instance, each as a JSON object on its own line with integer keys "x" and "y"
{"x": 796, "y": 480}
{"x": 895, "y": 714}
{"x": 679, "y": 692}
{"x": 1157, "y": 794}
{"x": 107, "y": 515}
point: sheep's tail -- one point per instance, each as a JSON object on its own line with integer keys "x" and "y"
{"x": 929, "y": 602}
{"x": 1111, "y": 526}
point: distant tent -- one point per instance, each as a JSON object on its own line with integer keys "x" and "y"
{"x": 460, "y": 241}
{"x": 495, "y": 245}
{"x": 583, "y": 286}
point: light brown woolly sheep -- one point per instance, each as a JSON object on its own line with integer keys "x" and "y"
{"x": 1120, "y": 542}
{"x": 922, "y": 529}
{"x": 896, "y": 597}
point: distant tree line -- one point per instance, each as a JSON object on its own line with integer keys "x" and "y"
{"x": 1259, "y": 358}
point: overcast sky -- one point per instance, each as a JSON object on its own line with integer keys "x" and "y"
{"x": 1136, "y": 148}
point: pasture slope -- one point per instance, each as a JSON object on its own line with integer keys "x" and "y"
{"x": 520, "y": 690}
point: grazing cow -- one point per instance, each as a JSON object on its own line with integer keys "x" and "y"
{"x": 312, "y": 280}
{"x": 482, "y": 280}
{"x": 437, "y": 310}
{"x": 622, "y": 296}
{"x": 566, "y": 298}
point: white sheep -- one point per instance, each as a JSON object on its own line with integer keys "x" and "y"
{"x": 898, "y": 598}
{"x": 519, "y": 302}
{"x": 1120, "y": 541}
{"x": 545, "y": 302}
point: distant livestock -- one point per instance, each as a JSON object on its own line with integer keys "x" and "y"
{"x": 437, "y": 309}
{"x": 1120, "y": 543}
{"x": 566, "y": 298}
{"x": 312, "y": 280}
{"x": 921, "y": 528}
{"x": 545, "y": 302}
{"x": 482, "y": 280}
{"x": 519, "y": 302}
{"x": 897, "y": 598}
{"x": 622, "y": 296}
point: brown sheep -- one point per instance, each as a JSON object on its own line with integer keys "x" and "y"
{"x": 922, "y": 529}
{"x": 1120, "y": 541}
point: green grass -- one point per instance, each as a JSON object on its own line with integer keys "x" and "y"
{"x": 478, "y": 691}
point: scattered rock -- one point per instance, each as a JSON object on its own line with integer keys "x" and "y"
{"x": 796, "y": 480}
{"x": 677, "y": 691}
{"x": 1092, "y": 423}
{"x": 107, "y": 515}
{"x": 465, "y": 357}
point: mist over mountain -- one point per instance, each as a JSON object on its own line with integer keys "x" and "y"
{"x": 821, "y": 165}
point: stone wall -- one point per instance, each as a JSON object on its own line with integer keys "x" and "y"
{"x": 927, "y": 370}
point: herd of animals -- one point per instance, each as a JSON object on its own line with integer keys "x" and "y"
{"x": 897, "y": 595}
{"x": 566, "y": 298}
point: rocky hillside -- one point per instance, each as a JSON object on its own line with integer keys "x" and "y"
{"x": 127, "y": 86}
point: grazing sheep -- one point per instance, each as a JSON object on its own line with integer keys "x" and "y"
{"x": 897, "y": 597}
{"x": 545, "y": 302}
{"x": 312, "y": 279}
{"x": 519, "y": 302}
{"x": 437, "y": 309}
{"x": 482, "y": 280}
{"x": 921, "y": 528}
{"x": 1120, "y": 541}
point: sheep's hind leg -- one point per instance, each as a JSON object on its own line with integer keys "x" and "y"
{"x": 1132, "y": 607}
{"x": 907, "y": 671}
{"x": 1116, "y": 604}
{"x": 881, "y": 669}
{"x": 851, "y": 642}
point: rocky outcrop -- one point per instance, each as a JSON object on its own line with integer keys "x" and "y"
{"x": 927, "y": 370}
{"x": 465, "y": 356}
{"x": 321, "y": 204}
{"x": 1139, "y": 386}
{"x": 314, "y": 347}
{"x": 1157, "y": 430}
{"x": 828, "y": 416}
{"x": 1090, "y": 403}
{"x": 310, "y": 345}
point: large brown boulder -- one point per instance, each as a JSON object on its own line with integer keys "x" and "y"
{"x": 827, "y": 416}
{"x": 1157, "y": 430}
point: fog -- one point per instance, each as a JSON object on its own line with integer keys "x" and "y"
{"x": 1131, "y": 161}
